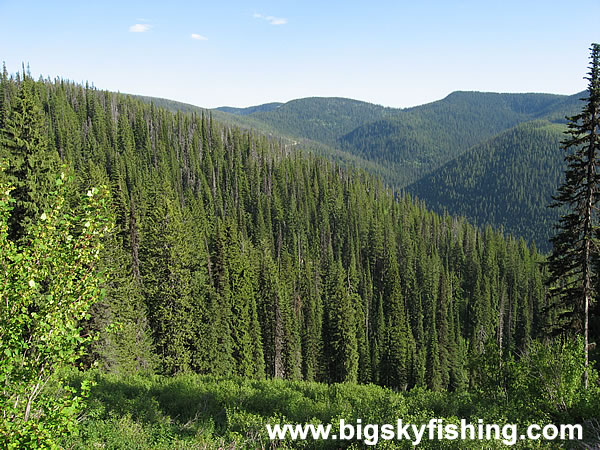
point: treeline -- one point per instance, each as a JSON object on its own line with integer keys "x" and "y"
{"x": 236, "y": 255}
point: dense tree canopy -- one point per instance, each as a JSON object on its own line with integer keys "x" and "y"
{"x": 235, "y": 254}
{"x": 493, "y": 158}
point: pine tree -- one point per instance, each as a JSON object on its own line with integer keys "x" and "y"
{"x": 575, "y": 246}
{"x": 396, "y": 355}
{"x": 271, "y": 313}
{"x": 124, "y": 343}
{"x": 312, "y": 316}
{"x": 245, "y": 330}
{"x": 32, "y": 167}
{"x": 3, "y": 95}
{"x": 220, "y": 307}
{"x": 167, "y": 281}
{"x": 339, "y": 329}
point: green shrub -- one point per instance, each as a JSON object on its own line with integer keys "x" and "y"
{"x": 48, "y": 282}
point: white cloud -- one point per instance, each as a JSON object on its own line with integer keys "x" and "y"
{"x": 199, "y": 37}
{"x": 276, "y": 20}
{"x": 139, "y": 28}
{"x": 271, "y": 19}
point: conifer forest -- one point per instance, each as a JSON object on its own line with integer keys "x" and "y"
{"x": 178, "y": 278}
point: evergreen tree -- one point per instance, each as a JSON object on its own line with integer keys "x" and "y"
{"x": 3, "y": 95}
{"x": 167, "y": 281}
{"x": 339, "y": 330}
{"x": 397, "y": 351}
{"x": 271, "y": 312}
{"x": 124, "y": 343}
{"x": 32, "y": 167}
{"x": 572, "y": 275}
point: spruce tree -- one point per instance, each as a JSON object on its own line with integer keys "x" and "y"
{"x": 32, "y": 167}
{"x": 167, "y": 282}
{"x": 571, "y": 264}
{"x": 3, "y": 95}
{"x": 339, "y": 330}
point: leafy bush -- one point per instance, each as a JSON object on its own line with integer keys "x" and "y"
{"x": 194, "y": 411}
{"x": 48, "y": 282}
{"x": 544, "y": 384}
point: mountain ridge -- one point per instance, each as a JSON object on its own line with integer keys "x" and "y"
{"x": 412, "y": 147}
{"x": 506, "y": 181}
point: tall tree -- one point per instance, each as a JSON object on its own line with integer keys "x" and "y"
{"x": 575, "y": 246}
{"x": 339, "y": 329}
{"x": 32, "y": 166}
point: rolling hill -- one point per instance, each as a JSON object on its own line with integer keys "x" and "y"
{"x": 419, "y": 140}
{"x": 506, "y": 181}
{"x": 251, "y": 109}
{"x": 404, "y": 145}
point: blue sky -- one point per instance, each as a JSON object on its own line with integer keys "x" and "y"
{"x": 395, "y": 53}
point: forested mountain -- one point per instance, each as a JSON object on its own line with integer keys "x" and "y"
{"x": 251, "y": 109}
{"x": 427, "y": 149}
{"x": 401, "y": 145}
{"x": 488, "y": 176}
{"x": 322, "y": 119}
{"x": 246, "y": 120}
{"x": 406, "y": 144}
{"x": 243, "y": 121}
{"x": 568, "y": 106}
{"x": 234, "y": 254}
{"x": 419, "y": 140}
{"x": 507, "y": 181}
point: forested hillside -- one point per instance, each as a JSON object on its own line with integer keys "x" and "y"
{"x": 507, "y": 181}
{"x": 303, "y": 125}
{"x": 234, "y": 255}
{"x": 224, "y": 116}
{"x": 322, "y": 119}
{"x": 406, "y": 144}
{"x": 451, "y": 153}
{"x": 251, "y": 109}
{"x": 418, "y": 140}
{"x": 457, "y": 154}
{"x": 424, "y": 149}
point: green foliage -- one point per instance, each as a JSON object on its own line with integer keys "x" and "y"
{"x": 191, "y": 411}
{"x": 31, "y": 165}
{"x": 48, "y": 282}
{"x": 234, "y": 256}
{"x": 251, "y": 109}
{"x": 321, "y": 119}
{"x": 339, "y": 327}
{"x": 235, "y": 252}
{"x": 544, "y": 384}
{"x": 416, "y": 141}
